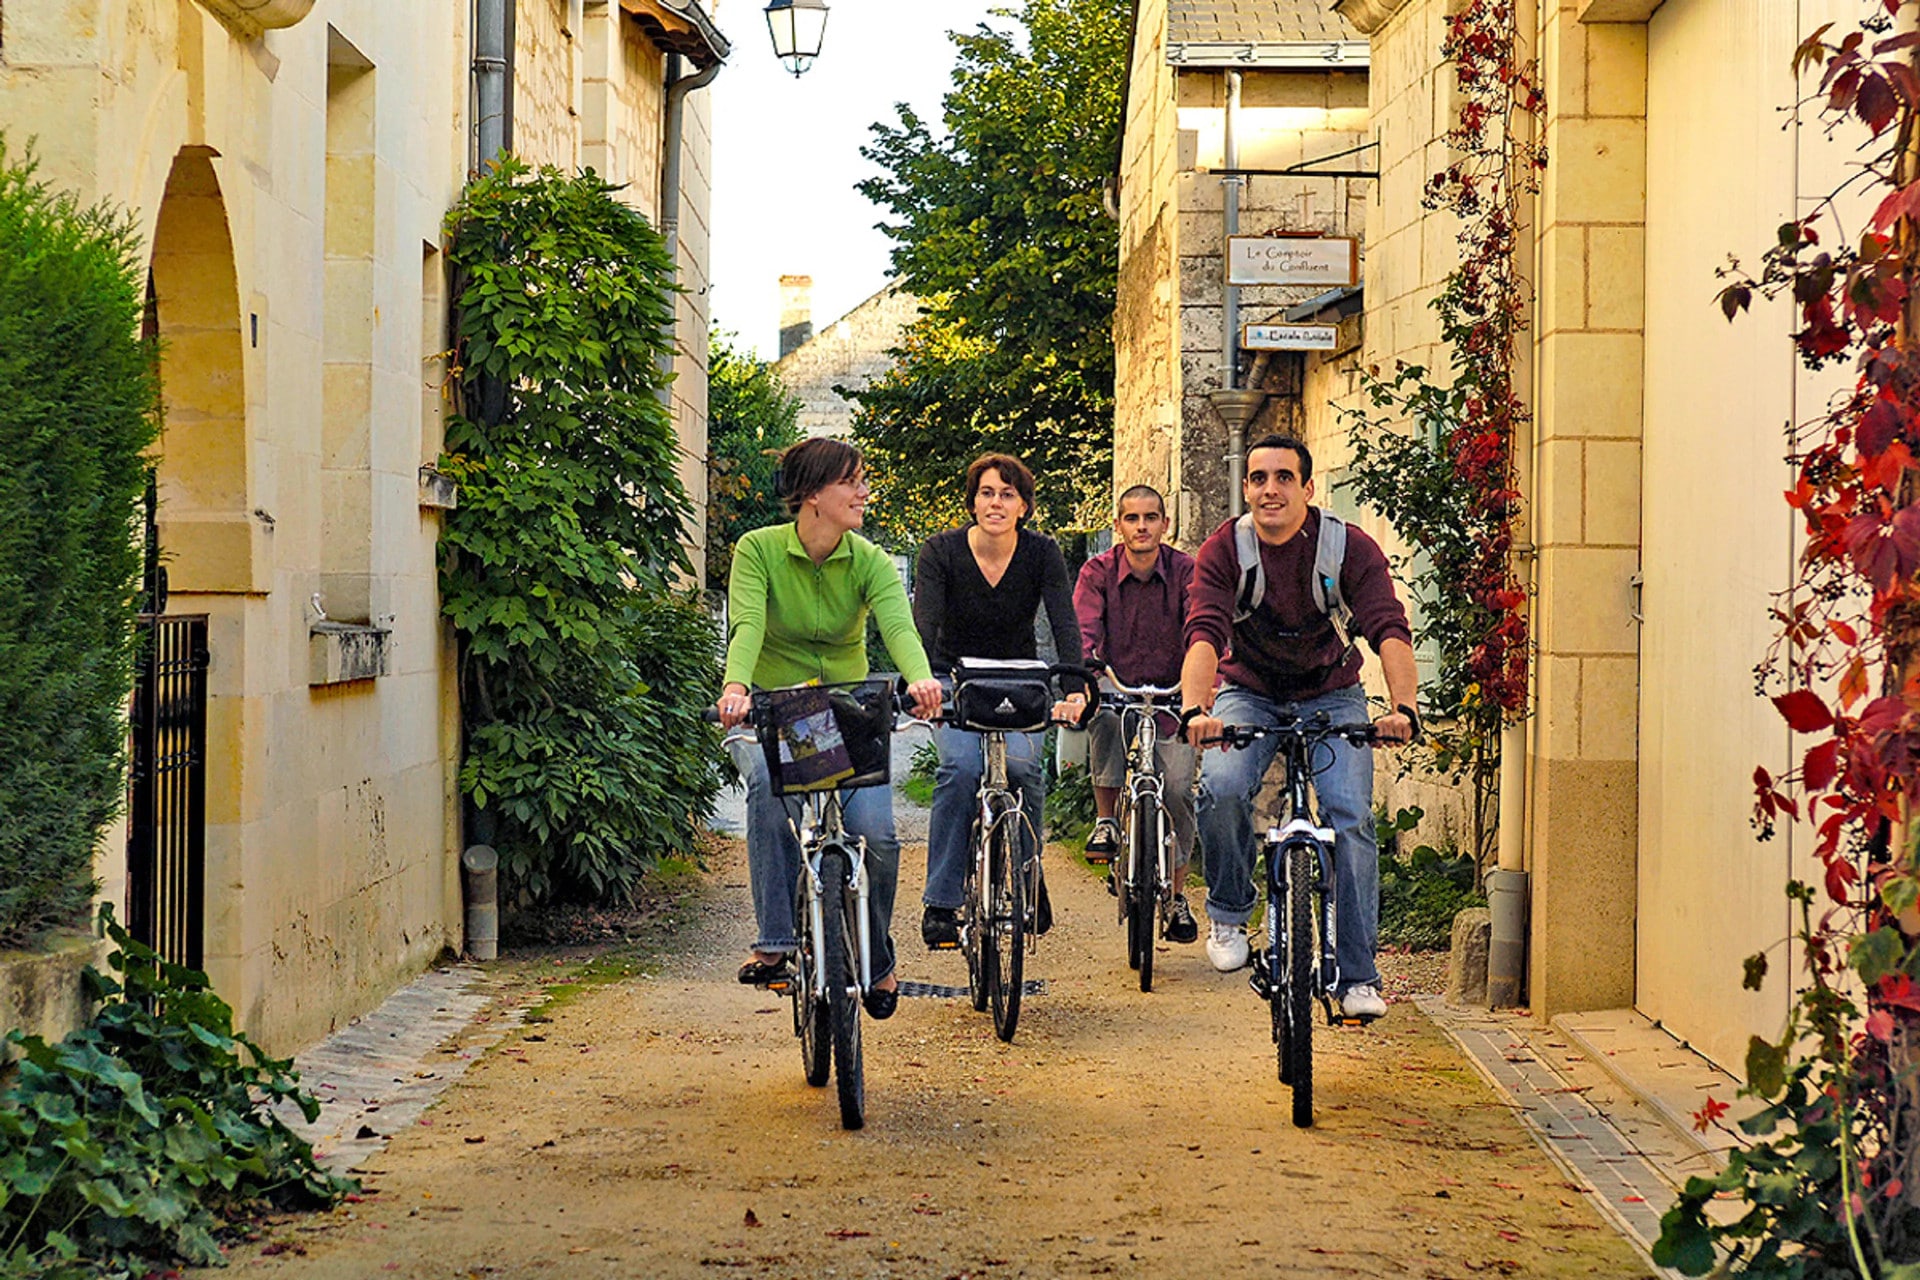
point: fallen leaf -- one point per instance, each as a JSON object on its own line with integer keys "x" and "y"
{"x": 750, "y": 1220}
{"x": 847, "y": 1234}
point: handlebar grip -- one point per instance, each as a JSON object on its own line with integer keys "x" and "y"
{"x": 710, "y": 714}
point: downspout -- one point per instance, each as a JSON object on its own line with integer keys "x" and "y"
{"x": 1509, "y": 889}
{"x": 493, "y": 114}
{"x": 678, "y": 87}
{"x": 492, "y": 78}
{"x": 1230, "y": 309}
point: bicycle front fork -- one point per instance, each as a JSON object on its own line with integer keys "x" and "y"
{"x": 817, "y": 899}
{"x": 1321, "y": 841}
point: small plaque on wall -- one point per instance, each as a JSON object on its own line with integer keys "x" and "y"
{"x": 1289, "y": 337}
{"x": 1331, "y": 262}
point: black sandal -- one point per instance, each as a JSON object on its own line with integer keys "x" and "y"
{"x": 758, "y": 973}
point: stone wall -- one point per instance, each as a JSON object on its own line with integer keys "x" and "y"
{"x": 1287, "y": 117}
{"x": 850, "y": 352}
{"x": 292, "y": 187}
{"x": 1146, "y": 322}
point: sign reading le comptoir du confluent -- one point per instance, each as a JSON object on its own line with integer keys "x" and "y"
{"x": 1331, "y": 262}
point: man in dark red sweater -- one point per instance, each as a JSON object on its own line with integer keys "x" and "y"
{"x": 1287, "y": 656}
{"x": 1132, "y": 605}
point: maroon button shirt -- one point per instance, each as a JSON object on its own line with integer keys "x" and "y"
{"x": 1135, "y": 626}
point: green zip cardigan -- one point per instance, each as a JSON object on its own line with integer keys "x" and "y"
{"x": 790, "y": 621}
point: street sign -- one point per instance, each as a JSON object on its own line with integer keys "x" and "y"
{"x": 1289, "y": 337}
{"x": 1332, "y": 262}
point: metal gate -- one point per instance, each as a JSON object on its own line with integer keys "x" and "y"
{"x": 167, "y": 818}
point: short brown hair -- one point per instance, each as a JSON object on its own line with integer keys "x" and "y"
{"x": 1294, "y": 443}
{"x": 1011, "y": 470}
{"x": 810, "y": 466}
{"x": 1140, "y": 491}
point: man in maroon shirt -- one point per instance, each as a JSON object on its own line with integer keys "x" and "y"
{"x": 1132, "y": 605}
{"x": 1286, "y": 655}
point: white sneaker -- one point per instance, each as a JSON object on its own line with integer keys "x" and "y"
{"x": 1227, "y": 947}
{"x": 1363, "y": 1001}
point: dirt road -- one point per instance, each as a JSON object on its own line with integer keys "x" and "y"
{"x": 657, "y": 1125}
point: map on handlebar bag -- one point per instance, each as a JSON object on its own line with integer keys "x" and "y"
{"x": 813, "y": 752}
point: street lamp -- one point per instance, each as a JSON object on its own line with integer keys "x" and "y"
{"x": 796, "y": 27}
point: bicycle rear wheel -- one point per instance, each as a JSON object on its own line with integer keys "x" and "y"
{"x": 810, "y": 1015}
{"x": 838, "y": 943}
{"x": 1005, "y": 945}
{"x": 1143, "y": 898}
{"x": 1303, "y": 954}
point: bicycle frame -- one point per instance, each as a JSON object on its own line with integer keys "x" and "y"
{"x": 1303, "y": 826}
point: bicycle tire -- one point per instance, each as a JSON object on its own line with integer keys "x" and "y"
{"x": 837, "y": 943}
{"x": 1006, "y": 937}
{"x": 1303, "y": 955}
{"x": 811, "y": 1020}
{"x": 973, "y": 926}
{"x": 1143, "y": 902}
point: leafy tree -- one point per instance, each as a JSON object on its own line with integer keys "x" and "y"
{"x": 1000, "y": 226}
{"x": 750, "y": 419}
{"x": 78, "y": 404}
{"x": 584, "y": 664}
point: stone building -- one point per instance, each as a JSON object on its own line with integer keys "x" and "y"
{"x": 1653, "y": 477}
{"x": 1276, "y": 91}
{"x": 851, "y": 352}
{"x": 289, "y": 164}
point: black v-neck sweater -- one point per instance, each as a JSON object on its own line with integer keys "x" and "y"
{"x": 960, "y": 616}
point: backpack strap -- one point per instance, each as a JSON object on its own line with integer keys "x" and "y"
{"x": 1253, "y": 579}
{"x": 1328, "y": 560}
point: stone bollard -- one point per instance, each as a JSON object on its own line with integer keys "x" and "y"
{"x": 482, "y": 867}
{"x": 1467, "y": 963}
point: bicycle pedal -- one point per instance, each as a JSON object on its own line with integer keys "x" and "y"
{"x": 944, "y": 946}
{"x": 779, "y": 987}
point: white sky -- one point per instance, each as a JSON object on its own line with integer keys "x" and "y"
{"x": 787, "y": 152}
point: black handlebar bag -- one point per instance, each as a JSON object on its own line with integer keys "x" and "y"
{"x": 1009, "y": 695}
{"x": 828, "y": 736}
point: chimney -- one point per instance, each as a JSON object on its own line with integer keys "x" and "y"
{"x": 796, "y": 312}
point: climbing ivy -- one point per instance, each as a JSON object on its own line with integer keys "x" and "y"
{"x": 584, "y": 658}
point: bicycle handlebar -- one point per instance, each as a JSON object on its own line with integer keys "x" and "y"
{"x": 1299, "y": 729}
{"x": 1157, "y": 695}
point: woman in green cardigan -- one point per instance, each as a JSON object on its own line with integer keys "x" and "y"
{"x": 797, "y": 606}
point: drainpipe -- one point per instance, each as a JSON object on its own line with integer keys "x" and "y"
{"x": 1230, "y": 309}
{"x": 492, "y": 77}
{"x": 678, "y": 87}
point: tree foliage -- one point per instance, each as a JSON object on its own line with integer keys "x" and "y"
{"x": 584, "y": 664}
{"x": 78, "y": 404}
{"x": 750, "y": 419}
{"x": 999, "y": 225}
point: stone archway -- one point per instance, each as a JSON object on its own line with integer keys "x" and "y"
{"x": 205, "y": 523}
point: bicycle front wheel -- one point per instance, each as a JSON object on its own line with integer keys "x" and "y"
{"x": 810, "y": 1016}
{"x": 1303, "y": 954}
{"x": 838, "y": 943}
{"x": 973, "y": 926}
{"x": 1143, "y": 898}
{"x": 1004, "y": 950}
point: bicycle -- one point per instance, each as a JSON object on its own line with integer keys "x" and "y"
{"x": 1145, "y": 885}
{"x": 1300, "y": 857}
{"x": 993, "y": 699}
{"x": 820, "y": 742}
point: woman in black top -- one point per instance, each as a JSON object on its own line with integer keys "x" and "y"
{"x": 976, "y": 592}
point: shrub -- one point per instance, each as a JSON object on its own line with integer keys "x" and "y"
{"x": 1421, "y": 890}
{"x": 77, "y": 408}
{"x": 140, "y": 1136}
{"x": 584, "y": 660}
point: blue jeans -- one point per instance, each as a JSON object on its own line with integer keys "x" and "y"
{"x": 1343, "y": 784}
{"x": 773, "y": 856}
{"x": 956, "y": 788}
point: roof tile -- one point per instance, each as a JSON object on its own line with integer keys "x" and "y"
{"x": 1285, "y": 21}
